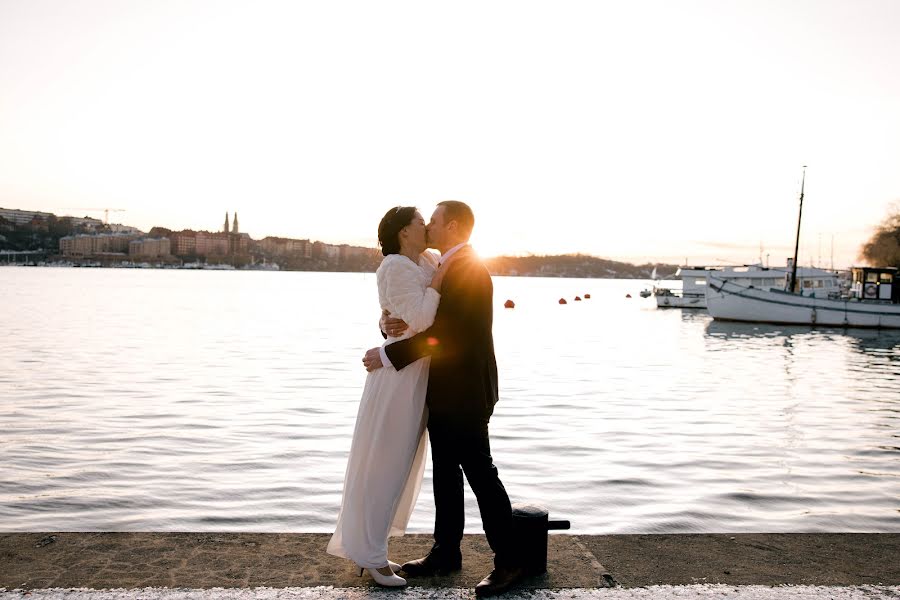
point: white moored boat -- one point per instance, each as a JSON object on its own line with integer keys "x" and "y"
{"x": 874, "y": 302}
{"x": 874, "y": 298}
{"x": 690, "y": 295}
{"x": 812, "y": 282}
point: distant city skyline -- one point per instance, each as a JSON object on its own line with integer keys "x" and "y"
{"x": 764, "y": 255}
{"x": 640, "y": 131}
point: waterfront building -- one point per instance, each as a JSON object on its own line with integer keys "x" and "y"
{"x": 212, "y": 244}
{"x": 150, "y": 248}
{"x": 205, "y": 244}
{"x": 277, "y": 246}
{"x": 86, "y": 222}
{"x": 40, "y": 219}
{"x": 92, "y": 245}
{"x": 352, "y": 252}
{"x": 74, "y": 245}
{"x": 199, "y": 243}
{"x": 239, "y": 242}
{"x": 119, "y": 228}
{"x": 23, "y": 217}
{"x": 326, "y": 251}
{"x": 228, "y": 245}
{"x": 184, "y": 243}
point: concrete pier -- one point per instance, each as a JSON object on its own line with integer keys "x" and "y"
{"x": 197, "y": 561}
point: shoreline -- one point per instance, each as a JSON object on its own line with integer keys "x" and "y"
{"x": 44, "y": 560}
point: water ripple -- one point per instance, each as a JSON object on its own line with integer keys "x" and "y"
{"x": 153, "y": 415}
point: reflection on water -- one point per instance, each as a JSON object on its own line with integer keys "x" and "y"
{"x": 161, "y": 400}
{"x": 874, "y": 355}
{"x": 865, "y": 339}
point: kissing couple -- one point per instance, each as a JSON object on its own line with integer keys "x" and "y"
{"x": 435, "y": 377}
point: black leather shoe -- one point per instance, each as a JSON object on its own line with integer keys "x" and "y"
{"x": 432, "y": 564}
{"x": 499, "y": 581}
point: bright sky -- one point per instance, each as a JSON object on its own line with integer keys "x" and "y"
{"x": 635, "y": 129}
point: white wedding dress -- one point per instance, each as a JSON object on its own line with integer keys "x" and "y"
{"x": 387, "y": 455}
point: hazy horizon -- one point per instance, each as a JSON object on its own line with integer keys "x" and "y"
{"x": 764, "y": 258}
{"x": 643, "y": 131}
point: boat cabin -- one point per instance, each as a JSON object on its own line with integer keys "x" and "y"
{"x": 817, "y": 283}
{"x": 875, "y": 284}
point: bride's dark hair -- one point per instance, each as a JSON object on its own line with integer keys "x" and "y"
{"x": 389, "y": 229}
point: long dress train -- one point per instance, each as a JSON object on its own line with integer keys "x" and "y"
{"x": 387, "y": 455}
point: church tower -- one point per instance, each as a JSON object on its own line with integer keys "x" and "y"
{"x": 226, "y": 222}
{"x": 234, "y": 229}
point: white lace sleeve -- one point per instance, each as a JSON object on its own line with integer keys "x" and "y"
{"x": 406, "y": 297}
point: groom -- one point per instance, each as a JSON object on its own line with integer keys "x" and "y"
{"x": 462, "y": 391}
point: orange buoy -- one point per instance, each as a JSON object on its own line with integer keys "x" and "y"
{"x": 509, "y": 304}
{"x": 562, "y": 301}
{"x": 577, "y": 298}
{"x": 587, "y": 296}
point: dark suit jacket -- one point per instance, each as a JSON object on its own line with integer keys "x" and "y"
{"x": 462, "y": 380}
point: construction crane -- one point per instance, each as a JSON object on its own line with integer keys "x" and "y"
{"x": 106, "y": 212}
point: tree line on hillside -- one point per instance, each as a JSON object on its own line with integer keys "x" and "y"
{"x": 43, "y": 234}
{"x": 574, "y": 265}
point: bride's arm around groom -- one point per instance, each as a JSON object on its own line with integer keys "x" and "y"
{"x": 400, "y": 283}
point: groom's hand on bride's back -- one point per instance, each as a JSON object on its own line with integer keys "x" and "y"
{"x": 372, "y": 359}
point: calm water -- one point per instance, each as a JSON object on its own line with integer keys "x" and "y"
{"x": 182, "y": 400}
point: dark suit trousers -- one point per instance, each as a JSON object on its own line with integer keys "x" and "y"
{"x": 457, "y": 449}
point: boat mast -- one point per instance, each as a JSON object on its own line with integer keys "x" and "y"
{"x": 797, "y": 242}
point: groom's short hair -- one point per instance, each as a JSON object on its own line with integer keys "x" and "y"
{"x": 454, "y": 210}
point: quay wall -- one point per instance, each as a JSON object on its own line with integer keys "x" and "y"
{"x": 248, "y": 560}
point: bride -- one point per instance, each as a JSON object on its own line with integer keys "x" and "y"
{"x": 387, "y": 454}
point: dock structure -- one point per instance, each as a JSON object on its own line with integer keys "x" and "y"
{"x": 579, "y": 564}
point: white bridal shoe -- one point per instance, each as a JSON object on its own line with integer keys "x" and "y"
{"x": 391, "y": 580}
